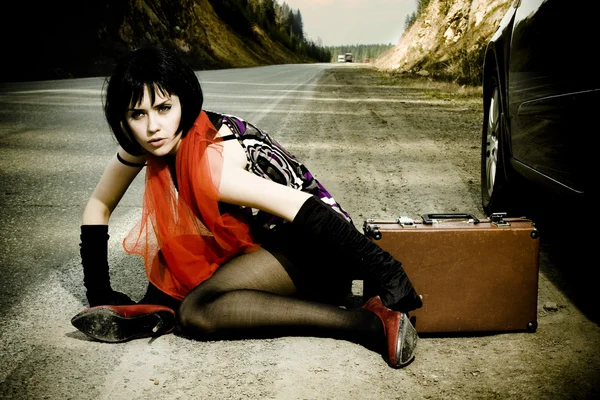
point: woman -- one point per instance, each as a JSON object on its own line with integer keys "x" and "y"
{"x": 239, "y": 239}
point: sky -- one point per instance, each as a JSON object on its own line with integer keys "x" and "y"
{"x": 346, "y": 22}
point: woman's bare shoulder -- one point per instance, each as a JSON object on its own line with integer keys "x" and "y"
{"x": 233, "y": 152}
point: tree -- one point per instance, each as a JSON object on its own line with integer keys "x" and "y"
{"x": 297, "y": 27}
{"x": 410, "y": 20}
{"x": 268, "y": 12}
{"x": 421, "y": 6}
{"x": 235, "y": 14}
{"x": 282, "y": 15}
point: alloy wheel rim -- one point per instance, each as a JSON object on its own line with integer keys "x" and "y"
{"x": 492, "y": 134}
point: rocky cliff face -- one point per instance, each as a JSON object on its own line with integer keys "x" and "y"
{"x": 447, "y": 41}
{"x": 73, "y": 38}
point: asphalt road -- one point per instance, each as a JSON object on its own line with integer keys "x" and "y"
{"x": 55, "y": 143}
{"x": 387, "y": 150}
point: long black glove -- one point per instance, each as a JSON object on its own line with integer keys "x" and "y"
{"x": 318, "y": 226}
{"x": 94, "y": 258}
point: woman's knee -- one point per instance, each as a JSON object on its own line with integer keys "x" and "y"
{"x": 193, "y": 318}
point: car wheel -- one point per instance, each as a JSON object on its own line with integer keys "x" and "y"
{"x": 495, "y": 192}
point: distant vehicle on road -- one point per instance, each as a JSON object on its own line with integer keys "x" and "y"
{"x": 348, "y": 57}
{"x": 541, "y": 92}
{"x": 341, "y": 58}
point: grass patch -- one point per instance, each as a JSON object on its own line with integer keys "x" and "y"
{"x": 432, "y": 87}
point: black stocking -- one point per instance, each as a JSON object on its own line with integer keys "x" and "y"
{"x": 253, "y": 296}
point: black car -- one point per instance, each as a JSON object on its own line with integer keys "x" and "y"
{"x": 541, "y": 89}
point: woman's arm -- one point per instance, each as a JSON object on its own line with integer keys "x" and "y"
{"x": 243, "y": 188}
{"x": 94, "y": 230}
{"x": 110, "y": 189}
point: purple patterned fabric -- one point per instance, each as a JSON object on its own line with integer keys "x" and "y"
{"x": 268, "y": 159}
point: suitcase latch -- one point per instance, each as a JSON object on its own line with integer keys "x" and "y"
{"x": 498, "y": 219}
{"x": 371, "y": 230}
{"x": 406, "y": 221}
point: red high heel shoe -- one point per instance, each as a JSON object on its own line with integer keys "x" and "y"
{"x": 114, "y": 324}
{"x": 401, "y": 336}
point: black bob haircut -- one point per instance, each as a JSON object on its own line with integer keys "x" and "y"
{"x": 158, "y": 69}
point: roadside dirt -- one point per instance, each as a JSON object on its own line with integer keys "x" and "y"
{"x": 385, "y": 147}
{"x": 398, "y": 146}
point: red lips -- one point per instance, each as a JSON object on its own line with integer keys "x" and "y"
{"x": 157, "y": 142}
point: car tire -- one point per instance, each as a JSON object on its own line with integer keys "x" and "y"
{"x": 495, "y": 190}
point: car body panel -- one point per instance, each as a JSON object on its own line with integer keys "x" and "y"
{"x": 550, "y": 91}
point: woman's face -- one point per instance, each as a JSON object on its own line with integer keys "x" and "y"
{"x": 154, "y": 126}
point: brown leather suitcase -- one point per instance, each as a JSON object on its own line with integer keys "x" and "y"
{"x": 475, "y": 276}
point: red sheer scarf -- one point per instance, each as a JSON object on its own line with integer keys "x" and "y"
{"x": 183, "y": 237}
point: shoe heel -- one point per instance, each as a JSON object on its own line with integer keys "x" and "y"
{"x": 408, "y": 342}
{"x": 165, "y": 324}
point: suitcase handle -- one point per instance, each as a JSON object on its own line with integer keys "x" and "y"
{"x": 428, "y": 218}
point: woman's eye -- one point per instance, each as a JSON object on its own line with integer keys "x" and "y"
{"x": 136, "y": 114}
{"x": 165, "y": 108}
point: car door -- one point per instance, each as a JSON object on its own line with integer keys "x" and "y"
{"x": 553, "y": 91}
